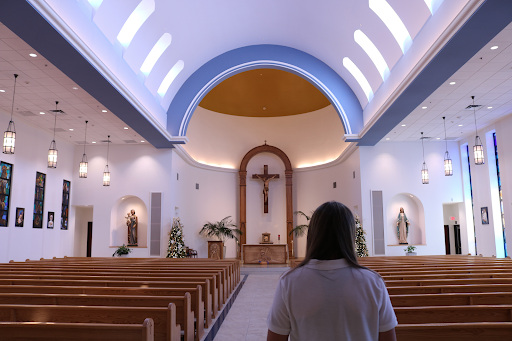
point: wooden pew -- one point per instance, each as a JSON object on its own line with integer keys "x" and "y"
{"x": 164, "y": 318}
{"x": 108, "y": 300}
{"x": 454, "y": 331}
{"x": 441, "y": 289}
{"x": 454, "y": 314}
{"x": 28, "y": 331}
{"x": 466, "y": 281}
{"x": 419, "y": 300}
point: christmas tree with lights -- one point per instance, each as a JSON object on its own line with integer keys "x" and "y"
{"x": 176, "y": 245}
{"x": 361, "y": 249}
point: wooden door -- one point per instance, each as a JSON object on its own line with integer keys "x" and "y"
{"x": 456, "y": 230}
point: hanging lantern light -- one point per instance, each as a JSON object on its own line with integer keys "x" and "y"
{"x": 106, "y": 172}
{"x": 478, "y": 148}
{"x": 10, "y": 133}
{"x": 52, "y": 152}
{"x": 424, "y": 169}
{"x": 82, "y": 172}
{"x": 448, "y": 167}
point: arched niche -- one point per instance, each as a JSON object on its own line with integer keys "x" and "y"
{"x": 414, "y": 211}
{"x": 243, "y": 191}
{"x": 118, "y": 228}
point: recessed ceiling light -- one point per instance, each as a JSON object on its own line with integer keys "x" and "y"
{"x": 125, "y": 128}
{"x": 489, "y": 107}
{"x": 75, "y": 88}
{"x": 452, "y": 83}
{"x": 387, "y": 138}
{"x": 438, "y": 138}
{"x": 33, "y": 55}
{"x": 403, "y": 125}
{"x": 93, "y": 141}
{"x": 494, "y": 47}
{"x": 460, "y": 125}
{"x": 71, "y": 129}
{"x": 411, "y": 195}
{"x": 2, "y": 90}
{"x": 41, "y": 113}
{"x": 423, "y": 107}
{"x": 103, "y": 111}
{"x": 142, "y": 141}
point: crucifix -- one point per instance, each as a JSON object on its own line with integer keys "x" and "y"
{"x": 265, "y": 177}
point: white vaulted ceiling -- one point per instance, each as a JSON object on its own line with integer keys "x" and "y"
{"x": 363, "y": 41}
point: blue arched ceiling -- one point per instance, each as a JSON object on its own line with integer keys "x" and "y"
{"x": 246, "y": 58}
{"x": 486, "y": 22}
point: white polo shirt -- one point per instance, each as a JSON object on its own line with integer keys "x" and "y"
{"x": 330, "y": 300}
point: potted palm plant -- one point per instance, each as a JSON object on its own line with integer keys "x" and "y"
{"x": 222, "y": 230}
{"x": 299, "y": 230}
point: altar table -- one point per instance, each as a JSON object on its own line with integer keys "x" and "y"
{"x": 264, "y": 253}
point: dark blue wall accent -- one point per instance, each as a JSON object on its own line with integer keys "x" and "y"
{"x": 21, "y": 18}
{"x": 490, "y": 19}
{"x": 271, "y": 53}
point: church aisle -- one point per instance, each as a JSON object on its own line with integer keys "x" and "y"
{"x": 247, "y": 317}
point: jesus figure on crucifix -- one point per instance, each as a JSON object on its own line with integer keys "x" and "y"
{"x": 265, "y": 177}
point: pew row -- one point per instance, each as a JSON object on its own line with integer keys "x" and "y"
{"x": 454, "y": 331}
{"x": 31, "y": 331}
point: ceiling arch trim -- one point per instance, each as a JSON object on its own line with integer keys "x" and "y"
{"x": 251, "y": 57}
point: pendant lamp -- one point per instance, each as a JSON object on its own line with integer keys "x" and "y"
{"x": 106, "y": 172}
{"x": 82, "y": 173}
{"x": 478, "y": 148}
{"x": 10, "y": 133}
{"x": 52, "y": 152}
{"x": 448, "y": 167}
{"x": 424, "y": 169}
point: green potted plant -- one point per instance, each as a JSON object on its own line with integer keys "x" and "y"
{"x": 122, "y": 251}
{"x": 409, "y": 251}
{"x": 223, "y": 230}
{"x": 299, "y": 230}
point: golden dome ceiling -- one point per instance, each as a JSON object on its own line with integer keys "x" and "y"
{"x": 264, "y": 93}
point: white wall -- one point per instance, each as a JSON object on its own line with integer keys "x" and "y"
{"x": 314, "y": 187}
{"x": 82, "y": 216}
{"x": 135, "y": 171}
{"x": 20, "y": 243}
{"x": 216, "y": 198}
{"x": 396, "y": 168}
{"x": 489, "y": 236}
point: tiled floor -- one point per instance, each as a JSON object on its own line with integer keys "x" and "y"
{"x": 247, "y": 318}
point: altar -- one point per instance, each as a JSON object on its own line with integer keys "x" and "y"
{"x": 264, "y": 253}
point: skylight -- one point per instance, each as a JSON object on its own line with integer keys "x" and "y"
{"x": 393, "y": 23}
{"x": 95, "y": 3}
{"x": 161, "y": 45}
{"x": 135, "y": 21}
{"x": 360, "y": 78}
{"x": 372, "y": 52}
{"x": 433, "y": 5}
{"x": 173, "y": 73}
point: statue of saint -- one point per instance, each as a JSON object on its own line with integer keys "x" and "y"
{"x": 132, "y": 222}
{"x": 402, "y": 227}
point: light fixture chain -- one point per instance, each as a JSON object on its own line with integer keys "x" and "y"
{"x": 474, "y": 113}
{"x": 422, "y": 147}
{"x": 13, "y": 94}
{"x": 445, "y": 138}
{"x": 55, "y": 123}
{"x": 85, "y": 137}
{"x": 108, "y": 147}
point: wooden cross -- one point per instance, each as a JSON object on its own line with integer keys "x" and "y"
{"x": 265, "y": 177}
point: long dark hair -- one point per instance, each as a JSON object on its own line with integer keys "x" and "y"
{"x": 331, "y": 235}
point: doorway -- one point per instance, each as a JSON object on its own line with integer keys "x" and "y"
{"x": 89, "y": 238}
{"x": 447, "y": 239}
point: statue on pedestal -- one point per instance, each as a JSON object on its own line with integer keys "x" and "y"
{"x": 402, "y": 227}
{"x": 132, "y": 222}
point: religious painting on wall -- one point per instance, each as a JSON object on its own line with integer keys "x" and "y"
{"x": 51, "y": 217}
{"x": 20, "y": 217}
{"x": 485, "y": 215}
{"x": 5, "y": 192}
{"x": 39, "y": 200}
{"x": 66, "y": 189}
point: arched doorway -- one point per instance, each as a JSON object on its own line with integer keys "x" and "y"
{"x": 243, "y": 193}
